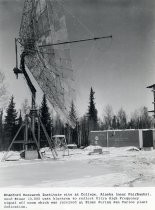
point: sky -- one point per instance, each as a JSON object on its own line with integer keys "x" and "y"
{"x": 118, "y": 69}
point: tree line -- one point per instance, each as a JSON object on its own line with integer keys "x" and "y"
{"x": 10, "y": 123}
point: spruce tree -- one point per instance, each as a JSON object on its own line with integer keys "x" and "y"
{"x": 45, "y": 118}
{"x": 92, "y": 111}
{"x": 19, "y": 123}
{"x": 10, "y": 120}
{"x": 72, "y": 113}
{"x": 84, "y": 131}
{"x": 58, "y": 126}
{"x": 73, "y": 132}
{"x": 20, "y": 120}
{"x": 114, "y": 122}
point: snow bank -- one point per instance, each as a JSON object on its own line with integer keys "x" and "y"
{"x": 1, "y": 155}
{"x": 116, "y": 149}
{"x": 131, "y": 149}
{"x": 11, "y": 156}
{"x": 92, "y": 147}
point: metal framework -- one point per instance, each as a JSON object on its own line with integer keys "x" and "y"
{"x": 43, "y": 22}
{"x": 43, "y": 35}
{"x": 45, "y": 51}
{"x": 29, "y": 122}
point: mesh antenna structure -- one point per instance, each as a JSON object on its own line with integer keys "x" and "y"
{"x": 43, "y": 24}
{"x": 45, "y": 50}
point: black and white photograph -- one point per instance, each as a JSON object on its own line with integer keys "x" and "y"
{"x": 77, "y": 94}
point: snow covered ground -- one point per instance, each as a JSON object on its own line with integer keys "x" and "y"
{"x": 115, "y": 167}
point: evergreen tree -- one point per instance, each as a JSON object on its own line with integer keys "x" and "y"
{"x": 92, "y": 112}
{"x": 114, "y": 122}
{"x": 10, "y": 120}
{"x": 72, "y": 113}
{"x": 118, "y": 124}
{"x": 84, "y": 131}
{"x": 19, "y": 123}
{"x": 58, "y": 126}
{"x": 20, "y": 120}
{"x": 45, "y": 118}
{"x": 73, "y": 132}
